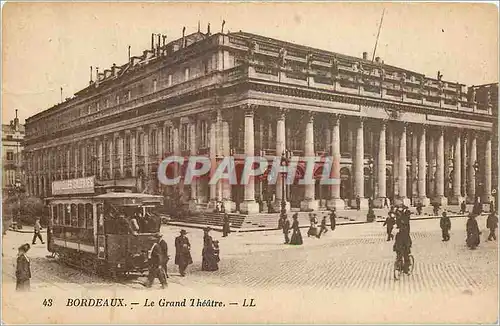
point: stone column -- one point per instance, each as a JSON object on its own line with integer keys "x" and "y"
{"x": 121, "y": 155}
{"x": 213, "y": 157}
{"x": 159, "y": 142}
{"x": 133, "y": 143}
{"x": 402, "y": 181}
{"x": 487, "y": 171}
{"x": 381, "y": 165}
{"x": 249, "y": 205}
{"x": 309, "y": 202}
{"x": 225, "y": 186}
{"x": 100, "y": 156}
{"x": 439, "y": 196}
{"x": 83, "y": 153}
{"x": 193, "y": 151}
{"x": 335, "y": 201}
{"x": 359, "y": 176}
{"x": 414, "y": 166}
{"x": 177, "y": 151}
{"x": 77, "y": 161}
{"x": 280, "y": 148}
{"x": 457, "y": 171}
{"x": 422, "y": 161}
{"x": 67, "y": 149}
{"x": 471, "y": 191}
{"x": 111, "y": 149}
{"x": 145, "y": 146}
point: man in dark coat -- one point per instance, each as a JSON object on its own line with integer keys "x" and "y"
{"x": 389, "y": 223}
{"x": 23, "y": 270}
{"x": 165, "y": 256}
{"x": 183, "y": 252}
{"x": 322, "y": 226}
{"x": 226, "y": 227}
{"x": 445, "y": 225}
{"x": 286, "y": 228}
{"x": 402, "y": 247}
{"x": 155, "y": 262}
{"x": 358, "y": 203}
{"x": 333, "y": 219}
{"x": 492, "y": 223}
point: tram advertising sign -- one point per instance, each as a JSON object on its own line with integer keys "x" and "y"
{"x": 73, "y": 186}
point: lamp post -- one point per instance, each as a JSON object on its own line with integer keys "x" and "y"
{"x": 476, "y": 173}
{"x": 18, "y": 195}
{"x": 285, "y": 156}
{"x": 372, "y": 184}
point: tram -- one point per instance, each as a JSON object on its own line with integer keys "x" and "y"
{"x": 90, "y": 226}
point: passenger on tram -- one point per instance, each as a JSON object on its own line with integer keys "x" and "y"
{"x": 134, "y": 226}
{"x": 123, "y": 225}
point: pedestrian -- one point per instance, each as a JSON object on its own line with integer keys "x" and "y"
{"x": 386, "y": 202}
{"x": 133, "y": 225}
{"x": 222, "y": 207}
{"x": 435, "y": 208}
{"x": 155, "y": 265}
{"x": 209, "y": 259}
{"x": 23, "y": 270}
{"x": 183, "y": 252}
{"x": 389, "y": 224}
{"x": 419, "y": 208}
{"x": 323, "y": 226}
{"x": 226, "y": 227}
{"x": 286, "y": 228}
{"x": 492, "y": 206}
{"x": 296, "y": 238}
{"x": 37, "y": 231}
{"x": 473, "y": 233}
{"x": 358, "y": 203}
{"x": 313, "y": 229}
{"x": 165, "y": 256}
{"x": 445, "y": 225}
{"x": 492, "y": 223}
{"x": 402, "y": 247}
{"x": 333, "y": 219}
{"x": 463, "y": 207}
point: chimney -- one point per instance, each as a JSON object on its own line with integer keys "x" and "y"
{"x": 183, "y": 38}
{"x": 114, "y": 70}
{"x": 208, "y": 29}
{"x": 365, "y": 55}
{"x": 152, "y": 41}
{"x": 377, "y": 59}
{"x": 90, "y": 82}
{"x": 96, "y": 76}
{"x": 129, "y": 53}
{"x": 159, "y": 44}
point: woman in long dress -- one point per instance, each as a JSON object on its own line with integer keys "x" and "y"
{"x": 296, "y": 238}
{"x": 210, "y": 257}
{"x": 23, "y": 270}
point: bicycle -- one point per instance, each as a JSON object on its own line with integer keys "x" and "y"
{"x": 398, "y": 266}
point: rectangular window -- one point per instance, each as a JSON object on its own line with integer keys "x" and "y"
{"x": 10, "y": 156}
{"x": 168, "y": 139}
{"x": 205, "y": 66}
{"x": 139, "y": 143}
{"x": 186, "y": 74}
{"x": 117, "y": 99}
{"x": 169, "y": 80}
{"x": 97, "y": 106}
{"x": 127, "y": 145}
{"x": 154, "y": 85}
{"x": 185, "y": 136}
{"x": 106, "y": 103}
{"x": 129, "y": 95}
{"x": 153, "y": 144}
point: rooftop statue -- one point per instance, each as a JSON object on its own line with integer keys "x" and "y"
{"x": 309, "y": 60}
{"x": 282, "y": 57}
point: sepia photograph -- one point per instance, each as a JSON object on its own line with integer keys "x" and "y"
{"x": 250, "y": 162}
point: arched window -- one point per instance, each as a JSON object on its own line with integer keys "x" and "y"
{"x": 74, "y": 215}
{"x": 89, "y": 214}
{"x": 55, "y": 220}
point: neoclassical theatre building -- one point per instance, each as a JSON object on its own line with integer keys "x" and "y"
{"x": 397, "y": 133}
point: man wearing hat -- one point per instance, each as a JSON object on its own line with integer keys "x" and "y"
{"x": 37, "y": 231}
{"x": 155, "y": 261}
{"x": 182, "y": 252}
{"x": 209, "y": 259}
{"x": 23, "y": 270}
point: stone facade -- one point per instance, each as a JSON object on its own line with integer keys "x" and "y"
{"x": 241, "y": 94}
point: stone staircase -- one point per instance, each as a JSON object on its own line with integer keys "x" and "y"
{"x": 214, "y": 219}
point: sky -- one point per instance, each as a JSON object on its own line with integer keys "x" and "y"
{"x": 46, "y": 46}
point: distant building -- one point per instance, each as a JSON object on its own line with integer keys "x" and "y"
{"x": 395, "y": 133}
{"x": 12, "y": 149}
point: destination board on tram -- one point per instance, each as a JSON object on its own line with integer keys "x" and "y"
{"x": 73, "y": 186}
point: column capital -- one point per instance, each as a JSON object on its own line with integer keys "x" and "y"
{"x": 281, "y": 113}
{"x": 249, "y": 109}
{"x": 193, "y": 118}
{"x": 153, "y": 126}
{"x": 310, "y": 115}
{"x": 336, "y": 118}
{"x": 139, "y": 129}
{"x": 176, "y": 122}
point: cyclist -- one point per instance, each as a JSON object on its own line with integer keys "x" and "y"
{"x": 402, "y": 247}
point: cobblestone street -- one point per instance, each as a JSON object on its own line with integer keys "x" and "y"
{"x": 349, "y": 268}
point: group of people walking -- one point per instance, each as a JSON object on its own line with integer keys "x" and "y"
{"x": 296, "y": 238}
{"x": 158, "y": 256}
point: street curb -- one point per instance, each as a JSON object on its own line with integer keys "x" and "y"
{"x": 25, "y": 231}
